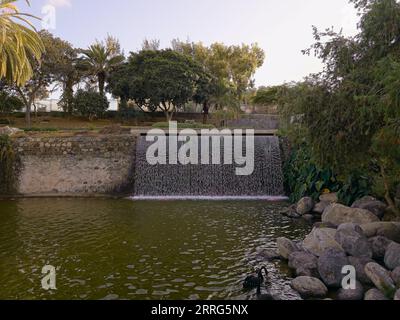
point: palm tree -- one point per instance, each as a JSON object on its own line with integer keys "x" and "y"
{"x": 101, "y": 58}
{"x": 19, "y": 43}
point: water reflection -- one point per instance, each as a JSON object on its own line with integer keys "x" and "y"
{"x": 121, "y": 249}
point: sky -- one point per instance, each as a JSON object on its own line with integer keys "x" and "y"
{"x": 281, "y": 27}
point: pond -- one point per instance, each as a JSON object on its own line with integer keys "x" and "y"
{"x": 124, "y": 249}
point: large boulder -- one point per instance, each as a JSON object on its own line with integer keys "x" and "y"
{"x": 359, "y": 264}
{"x": 286, "y": 247}
{"x": 267, "y": 255}
{"x": 371, "y": 204}
{"x": 304, "y": 263}
{"x": 338, "y": 214}
{"x": 356, "y": 294}
{"x": 390, "y": 230}
{"x": 329, "y": 198}
{"x": 352, "y": 239}
{"x": 392, "y": 256}
{"x": 380, "y": 277}
{"x": 374, "y": 295}
{"x": 330, "y": 266}
{"x": 320, "y": 240}
{"x": 396, "y": 276}
{"x": 305, "y": 205}
{"x": 379, "y": 246}
{"x": 320, "y": 207}
{"x": 309, "y": 287}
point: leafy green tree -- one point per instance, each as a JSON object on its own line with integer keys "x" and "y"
{"x": 101, "y": 58}
{"x": 232, "y": 67}
{"x": 90, "y": 104}
{"x": 159, "y": 80}
{"x": 46, "y": 71}
{"x": 354, "y": 102}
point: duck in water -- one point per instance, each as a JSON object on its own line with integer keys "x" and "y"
{"x": 255, "y": 280}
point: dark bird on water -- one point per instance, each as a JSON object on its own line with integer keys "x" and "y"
{"x": 255, "y": 280}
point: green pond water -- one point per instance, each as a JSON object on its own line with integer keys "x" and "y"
{"x": 123, "y": 249}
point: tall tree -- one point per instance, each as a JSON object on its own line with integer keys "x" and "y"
{"x": 46, "y": 71}
{"x": 101, "y": 58}
{"x": 351, "y": 110}
{"x": 159, "y": 80}
{"x": 20, "y": 45}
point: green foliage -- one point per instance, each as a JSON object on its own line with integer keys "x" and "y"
{"x": 266, "y": 96}
{"x": 7, "y": 166}
{"x": 9, "y": 103}
{"x": 304, "y": 178}
{"x": 154, "y": 80}
{"x": 34, "y": 129}
{"x": 90, "y": 104}
{"x": 343, "y": 110}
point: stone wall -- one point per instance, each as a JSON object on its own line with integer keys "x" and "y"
{"x": 75, "y": 165}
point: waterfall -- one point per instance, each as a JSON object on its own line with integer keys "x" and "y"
{"x": 219, "y": 181}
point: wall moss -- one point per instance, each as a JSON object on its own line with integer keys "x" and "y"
{"x": 7, "y": 166}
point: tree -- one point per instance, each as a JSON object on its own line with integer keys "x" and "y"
{"x": 20, "y": 45}
{"x": 46, "y": 71}
{"x": 164, "y": 80}
{"x": 101, "y": 58}
{"x": 351, "y": 110}
{"x": 232, "y": 67}
{"x": 90, "y": 104}
{"x": 9, "y": 102}
{"x": 153, "y": 44}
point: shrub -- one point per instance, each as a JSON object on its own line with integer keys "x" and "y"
{"x": 303, "y": 177}
{"x": 9, "y": 103}
{"x": 7, "y": 165}
{"x": 90, "y": 104}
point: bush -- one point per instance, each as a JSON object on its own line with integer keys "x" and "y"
{"x": 7, "y": 165}
{"x": 90, "y": 104}
{"x": 304, "y": 178}
{"x": 9, "y": 103}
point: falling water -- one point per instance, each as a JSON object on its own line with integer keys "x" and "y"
{"x": 211, "y": 181}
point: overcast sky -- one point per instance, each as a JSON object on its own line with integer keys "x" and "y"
{"x": 281, "y": 27}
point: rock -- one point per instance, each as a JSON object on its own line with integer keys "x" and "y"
{"x": 330, "y": 266}
{"x": 390, "y": 230}
{"x": 359, "y": 264}
{"x": 392, "y": 256}
{"x": 379, "y": 246}
{"x": 320, "y": 207}
{"x": 286, "y": 247}
{"x": 374, "y": 295}
{"x": 356, "y": 294}
{"x": 304, "y": 263}
{"x": 338, "y": 214}
{"x": 268, "y": 254}
{"x": 291, "y": 212}
{"x": 329, "y": 197}
{"x": 397, "y": 295}
{"x": 309, "y": 287}
{"x": 352, "y": 239}
{"x": 396, "y": 276}
{"x": 380, "y": 277}
{"x": 320, "y": 240}
{"x": 9, "y": 131}
{"x": 305, "y": 205}
{"x": 321, "y": 225}
{"x": 371, "y": 204}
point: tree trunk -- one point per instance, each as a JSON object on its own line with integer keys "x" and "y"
{"x": 28, "y": 115}
{"x": 102, "y": 81}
